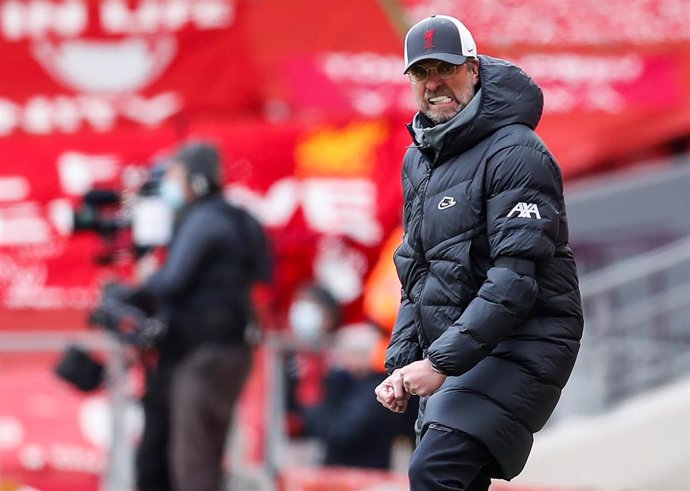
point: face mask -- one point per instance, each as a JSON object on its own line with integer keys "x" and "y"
{"x": 172, "y": 193}
{"x": 306, "y": 321}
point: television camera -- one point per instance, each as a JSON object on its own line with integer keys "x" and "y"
{"x": 130, "y": 222}
{"x": 130, "y": 316}
{"x": 135, "y": 220}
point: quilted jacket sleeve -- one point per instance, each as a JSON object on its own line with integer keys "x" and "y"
{"x": 524, "y": 192}
{"x": 404, "y": 345}
{"x": 193, "y": 241}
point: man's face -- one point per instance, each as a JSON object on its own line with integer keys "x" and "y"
{"x": 440, "y": 99}
{"x": 177, "y": 174}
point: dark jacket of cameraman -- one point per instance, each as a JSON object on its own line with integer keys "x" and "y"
{"x": 217, "y": 252}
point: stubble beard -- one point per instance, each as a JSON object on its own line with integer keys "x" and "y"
{"x": 462, "y": 98}
{"x": 441, "y": 117}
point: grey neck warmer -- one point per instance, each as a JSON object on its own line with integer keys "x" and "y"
{"x": 433, "y": 137}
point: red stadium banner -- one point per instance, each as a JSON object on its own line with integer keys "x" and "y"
{"x": 630, "y": 102}
{"x": 309, "y": 115}
{"x": 328, "y": 194}
{"x": 614, "y": 74}
{"x": 91, "y": 91}
{"x": 341, "y": 479}
{"x": 101, "y": 90}
{"x": 350, "y": 479}
{"x": 88, "y": 66}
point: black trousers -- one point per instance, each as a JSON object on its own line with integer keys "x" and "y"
{"x": 447, "y": 459}
{"x": 188, "y": 410}
{"x": 152, "y": 465}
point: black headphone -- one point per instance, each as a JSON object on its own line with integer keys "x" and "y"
{"x": 199, "y": 184}
{"x": 202, "y": 163}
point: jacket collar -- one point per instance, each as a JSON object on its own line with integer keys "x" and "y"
{"x": 431, "y": 137}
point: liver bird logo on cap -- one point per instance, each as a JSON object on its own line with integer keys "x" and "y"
{"x": 429, "y": 39}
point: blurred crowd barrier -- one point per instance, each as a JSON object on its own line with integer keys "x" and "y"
{"x": 55, "y": 438}
{"x": 637, "y": 313}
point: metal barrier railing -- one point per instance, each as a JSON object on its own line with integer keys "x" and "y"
{"x": 276, "y": 347}
{"x": 118, "y": 472}
{"x": 119, "y": 468}
{"x": 637, "y": 330}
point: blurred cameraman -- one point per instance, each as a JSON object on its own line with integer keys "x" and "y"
{"x": 217, "y": 252}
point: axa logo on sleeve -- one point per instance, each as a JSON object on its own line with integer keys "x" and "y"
{"x": 525, "y": 210}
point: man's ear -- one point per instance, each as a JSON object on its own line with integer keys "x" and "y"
{"x": 199, "y": 184}
{"x": 474, "y": 69}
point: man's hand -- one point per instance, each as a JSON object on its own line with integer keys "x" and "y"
{"x": 419, "y": 378}
{"x": 391, "y": 393}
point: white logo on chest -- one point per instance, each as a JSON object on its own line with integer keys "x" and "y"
{"x": 446, "y": 202}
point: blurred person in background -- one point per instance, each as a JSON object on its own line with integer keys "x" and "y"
{"x": 355, "y": 429}
{"x": 217, "y": 253}
{"x": 313, "y": 316}
{"x": 490, "y": 319}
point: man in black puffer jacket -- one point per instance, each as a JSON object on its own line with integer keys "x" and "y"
{"x": 490, "y": 320}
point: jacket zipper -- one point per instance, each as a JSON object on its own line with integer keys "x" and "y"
{"x": 424, "y": 341}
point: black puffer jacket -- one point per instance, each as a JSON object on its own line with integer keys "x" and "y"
{"x": 490, "y": 289}
{"x": 216, "y": 255}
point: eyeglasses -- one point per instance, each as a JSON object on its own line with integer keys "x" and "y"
{"x": 419, "y": 73}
